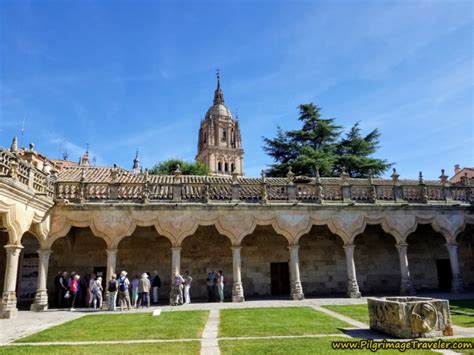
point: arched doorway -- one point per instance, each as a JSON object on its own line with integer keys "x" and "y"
{"x": 80, "y": 251}
{"x": 265, "y": 264}
{"x": 202, "y": 252}
{"x": 146, "y": 251}
{"x": 322, "y": 262}
{"x": 3, "y": 257}
{"x": 428, "y": 260}
{"x": 28, "y": 263}
{"x": 376, "y": 261}
{"x": 465, "y": 241}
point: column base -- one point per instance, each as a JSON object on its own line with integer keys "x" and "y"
{"x": 457, "y": 286}
{"x": 237, "y": 292}
{"x": 41, "y": 301}
{"x": 297, "y": 296}
{"x": 8, "y": 308}
{"x": 353, "y": 289}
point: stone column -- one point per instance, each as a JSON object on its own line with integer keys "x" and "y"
{"x": 352, "y": 286}
{"x": 175, "y": 261}
{"x": 457, "y": 284}
{"x": 406, "y": 287}
{"x": 111, "y": 266}
{"x": 8, "y": 307}
{"x": 296, "y": 288}
{"x": 237, "y": 289}
{"x": 41, "y": 297}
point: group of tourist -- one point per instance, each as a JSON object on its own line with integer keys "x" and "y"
{"x": 72, "y": 290}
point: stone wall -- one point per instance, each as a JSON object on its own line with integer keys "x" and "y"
{"x": 425, "y": 246}
{"x": 322, "y": 262}
{"x": 466, "y": 255}
{"x": 3, "y": 257}
{"x": 79, "y": 251}
{"x": 259, "y": 249}
{"x": 376, "y": 261}
{"x": 204, "y": 251}
{"x": 146, "y": 251}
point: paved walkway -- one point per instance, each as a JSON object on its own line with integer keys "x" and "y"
{"x": 209, "y": 343}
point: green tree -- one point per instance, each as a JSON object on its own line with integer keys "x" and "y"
{"x": 318, "y": 144}
{"x": 168, "y": 167}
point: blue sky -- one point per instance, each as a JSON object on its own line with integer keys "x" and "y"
{"x": 127, "y": 75}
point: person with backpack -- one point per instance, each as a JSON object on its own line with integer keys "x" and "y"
{"x": 112, "y": 288}
{"x": 123, "y": 287}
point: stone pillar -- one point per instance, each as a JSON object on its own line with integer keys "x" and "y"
{"x": 111, "y": 269}
{"x": 8, "y": 307}
{"x": 352, "y": 286}
{"x": 457, "y": 284}
{"x": 296, "y": 288}
{"x": 41, "y": 297}
{"x": 175, "y": 261}
{"x": 406, "y": 287}
{"x": 237, "y": 289}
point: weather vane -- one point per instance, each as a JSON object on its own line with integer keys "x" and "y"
{"x": 218, "y": 73}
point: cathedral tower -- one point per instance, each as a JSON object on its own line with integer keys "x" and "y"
{"x": 219, "y": 141}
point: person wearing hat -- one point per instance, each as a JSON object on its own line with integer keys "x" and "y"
{"x": 144, "y": 286}
{"x": 123, "y": 290}
{"x": 97, "y": 293}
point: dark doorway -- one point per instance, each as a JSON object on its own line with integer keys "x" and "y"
{"x": 280, "y": 276}
{"x": 444, "y": 274}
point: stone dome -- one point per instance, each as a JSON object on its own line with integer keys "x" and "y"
{"x": 219, "y": 110}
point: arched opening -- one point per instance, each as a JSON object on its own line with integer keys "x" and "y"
{"x": 465, "y": 241}
{"x": 3, "y": 255}
{"x": 376, "y": 261}
{"x": 322, "y": 262}
{"x": 428, "y": 260}
{"x": 146, "y": 251}
{"x": 202, "y": 252}
{"x": 226, "y": 167}
{"x": 265, "y": 264}
{"x": 80, "y": 252}
{"x": 28, "y": 263}
{"x": 219, "y": 166}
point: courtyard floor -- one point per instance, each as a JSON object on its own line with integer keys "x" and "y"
{"x": 264, "y": 326}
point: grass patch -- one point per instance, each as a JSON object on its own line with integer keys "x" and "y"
{"x": 462, "y": 305}
{"x": 277, "y": 321}
{"x": 462, "y": 320}
{"x": 138, "y": 326}
{"x": 298, "y": 346}
{"x": 192, "y": 347}
{"x": 358, "y": 312}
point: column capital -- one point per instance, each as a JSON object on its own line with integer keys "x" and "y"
{"x": 401, "y": 246}
{"x": 236, "y": 247}
{"x": 293, "y": 247}
{"x": 111, "y": 250}
{"x": 451, "y": 244}
{"x": 176, "y": 248}
{"x": 13, "y": 248}
{"x": 349, "y": 246}
{"x": 44, "y": 252}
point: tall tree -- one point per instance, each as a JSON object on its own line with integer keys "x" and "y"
{"x": 168, "y": 167}
{"x": 318, "y": 144}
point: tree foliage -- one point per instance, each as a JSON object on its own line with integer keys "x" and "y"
{"x": 168, "y": 167}
{"x": 318, "y": 144}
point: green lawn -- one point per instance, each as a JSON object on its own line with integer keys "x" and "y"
{"x": 298, "y": 346}
{"x": 461, "y": 319}
{"x": 138, "y": 326}
{"x": 276, "y": 321}
{"x": 358, "y": 312}
{"x": 137, "y": 348}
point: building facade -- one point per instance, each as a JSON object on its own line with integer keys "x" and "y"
{"x": 272, "y": 237}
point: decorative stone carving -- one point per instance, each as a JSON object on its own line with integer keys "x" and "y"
{"x": 410, "y": 317}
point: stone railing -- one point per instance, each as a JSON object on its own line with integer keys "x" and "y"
{"x": 181, "y": 189}
{"x": 24, "y": 173}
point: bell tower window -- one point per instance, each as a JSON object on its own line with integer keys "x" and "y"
{"x": 226, "y": 167}
{"x": 224, "y": 135}
{"x": 219, "y": 166}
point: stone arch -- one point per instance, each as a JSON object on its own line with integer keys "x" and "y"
{"x": 260, "y": 249}
{"x": 427, "y": 253}
{"x": 4, "y": 240}
{"x": 376, "y": 261}
{"x": 207, "y": 249}
{"x": 145, "y": 250}
{"x": 27, "y": 270}
{"x": 81, "y": 251}
{"x": 465, "y": 241}
{"x": 322, "y": 262}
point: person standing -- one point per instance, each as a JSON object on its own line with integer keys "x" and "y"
{"x": 97, "y": 293}
{"x": 211, "y": 281}
{"x": 156, "y": 284}
{"x": 220, "y": 286}
{"x": 144, "y": 286}
{"x": 62, "y": 289}
{"x": 73, "y": 289}
{"x": 113, "y": 292}
{"x": 90, "y": 297}
{"x": 123, "y": 287}
{"x": 134, "y": 284}
{"x": 178, "y": 284}
{"x": 187, "y": 287}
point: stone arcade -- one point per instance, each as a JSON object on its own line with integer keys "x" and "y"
{"x": 291, "y": 236}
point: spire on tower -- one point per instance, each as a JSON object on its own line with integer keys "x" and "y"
{"x": 218, "y": 94}
{"x": 137, "y": 168}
